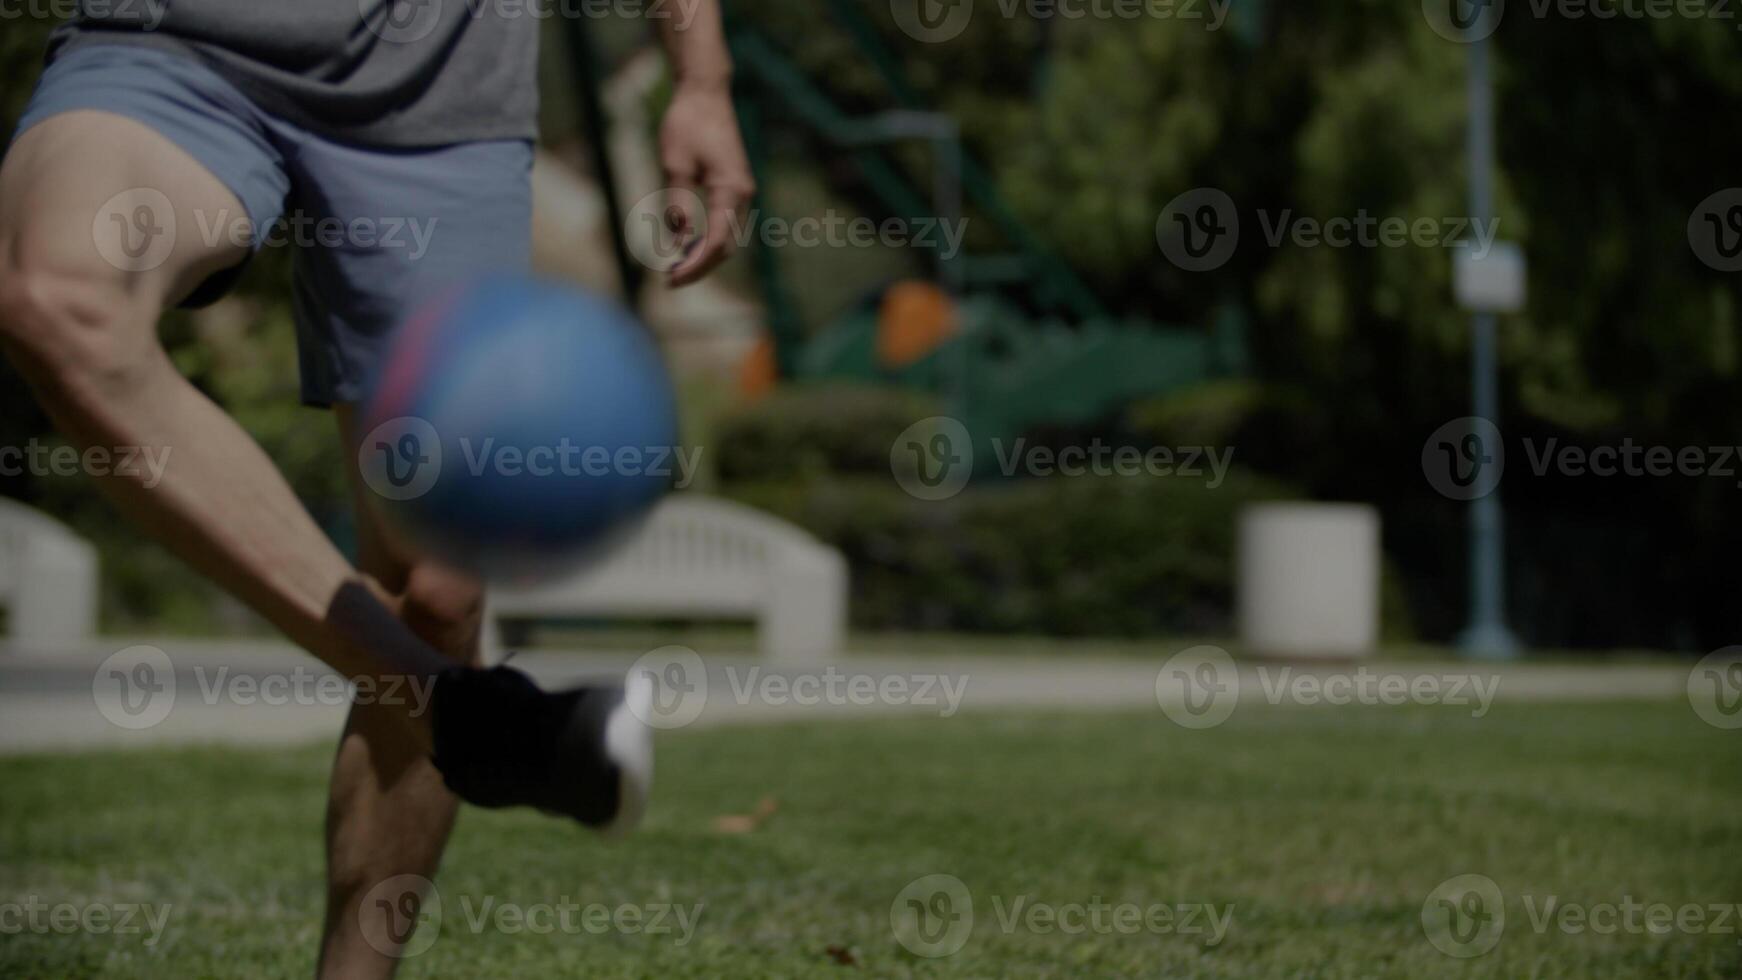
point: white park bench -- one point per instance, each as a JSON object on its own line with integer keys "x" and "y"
{"x": 704, "y": 557}
{"x": 48, "y": 580}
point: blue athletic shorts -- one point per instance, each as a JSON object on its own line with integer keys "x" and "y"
{"x": 374, "y": 231}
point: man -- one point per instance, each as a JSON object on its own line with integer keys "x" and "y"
{"x": 157, "y": 131}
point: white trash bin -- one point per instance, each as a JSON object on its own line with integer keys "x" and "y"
{"x": 1309, "y": 579}
{"x": 48, "y": 581}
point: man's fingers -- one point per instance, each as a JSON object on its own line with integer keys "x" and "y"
{"x": 724, "y": 213}
{"x": 707, "y": 254}
{"x": 664, "y": 227}
{"x": 683, "y": 196}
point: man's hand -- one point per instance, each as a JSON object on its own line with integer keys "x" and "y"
{"x": 702, "y": 152}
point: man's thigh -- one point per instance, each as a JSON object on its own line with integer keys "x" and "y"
{"x": 138, "y": 165}
{"x": 384, "y": 231}
{"x": 93, "y": 197}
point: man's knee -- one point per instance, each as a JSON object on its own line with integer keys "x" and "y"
{"x": 68, "y": 325}
{"x": 446, "y": 608}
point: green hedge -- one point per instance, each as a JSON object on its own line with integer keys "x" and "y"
{"x": 1062, "y": 556}
{"x": 1107, "y": 555}
{"x": 808, "y": 431}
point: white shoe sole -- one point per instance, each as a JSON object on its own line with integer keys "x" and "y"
{"x": 629, "y": 745}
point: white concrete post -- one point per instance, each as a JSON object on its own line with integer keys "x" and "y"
{"x": 1309, "y": 579}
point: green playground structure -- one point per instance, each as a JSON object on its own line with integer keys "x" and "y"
{"x": 1005, "y": 373}
{"x": 1032, "y": 345}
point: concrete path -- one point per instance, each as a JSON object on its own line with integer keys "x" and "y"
{"x": 160, "y": 692}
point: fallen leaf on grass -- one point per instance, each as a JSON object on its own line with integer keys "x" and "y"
{"x": 745, "y": 823}
{"x": 842, "y": 956}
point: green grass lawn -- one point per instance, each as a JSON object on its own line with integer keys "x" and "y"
{"x": 1324, "y": 829}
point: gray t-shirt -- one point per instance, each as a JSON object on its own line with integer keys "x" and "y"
{"x": 395, "y": 73}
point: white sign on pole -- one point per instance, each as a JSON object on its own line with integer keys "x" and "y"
{"x": 1491, "y": 281}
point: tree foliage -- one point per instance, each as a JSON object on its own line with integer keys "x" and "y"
{"x": 1611, "y": 131}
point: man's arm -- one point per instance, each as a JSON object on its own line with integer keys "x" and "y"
{"x": 700, "y": 147}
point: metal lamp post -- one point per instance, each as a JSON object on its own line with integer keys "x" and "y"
{"x": 1486, "y": 636}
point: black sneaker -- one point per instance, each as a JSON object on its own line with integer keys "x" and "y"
{"x": 584, "y": 753}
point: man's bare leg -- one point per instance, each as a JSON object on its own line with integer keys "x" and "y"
{"x": 83, "y": 332}
{"x": 388, "y": 813}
